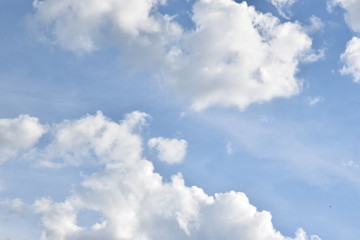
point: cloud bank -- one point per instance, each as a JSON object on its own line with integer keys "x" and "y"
{"x": 233, "y": 56}
{"x": 131, "y": 200}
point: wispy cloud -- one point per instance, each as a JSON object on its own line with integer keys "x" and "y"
{"x": 315, "y": 100}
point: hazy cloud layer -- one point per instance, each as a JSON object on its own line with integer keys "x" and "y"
{"x": 131, "y": 200}
{"x": 233, "y": 56}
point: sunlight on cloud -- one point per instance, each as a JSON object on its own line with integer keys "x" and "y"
{"x": 78, "y": 25}
{"x": 131, "y": 199}
{"x": 234, "y": 56}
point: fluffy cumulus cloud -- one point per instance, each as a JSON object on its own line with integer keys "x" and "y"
{"x": 130, "y": 199}
{"x": 351, "y": 56}
{"x": 351, "y": 59}
{"x": 169, "y": 150}
{"x": 85, "y": 139}
{"x": 236, "y": 56}
{"x": 233, "y": 56}
{"x": 18, "y": 134}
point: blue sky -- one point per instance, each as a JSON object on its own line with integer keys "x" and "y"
{"x": 111, "y": 111}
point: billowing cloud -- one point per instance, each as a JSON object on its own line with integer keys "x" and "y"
{"x": 237, "y": 56}
{"x": 351, "y": 59}
{"x": 130, "y": 199}
{"x": 18, "y": 134}
{"x": 232, "y": 56}
{"x": 169, "y": 150}
{"x": 83, "y": 140}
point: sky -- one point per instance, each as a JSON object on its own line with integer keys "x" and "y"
{"x": 169, "y": 119}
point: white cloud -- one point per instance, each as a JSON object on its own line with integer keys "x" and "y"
{"x": 169, "y": 150}
{"x": 234, "y": 56}
{"x": 131, "y": 199}
{"x": 351, "y": 59}
{"x": 283, "y": 6}
{"x": 315, "y": 100}
{"x": 351, "y": 56}
{"x": 18, "y": 134}
{"x": 74, "y": 142}
{"x": 229, "y": 148}
{"x": 135, "y": 203}
{"x": 316, "y": 24}
{"x": 352, "y": 9}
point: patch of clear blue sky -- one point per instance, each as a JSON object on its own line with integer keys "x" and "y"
{"x": 288, "y": 157}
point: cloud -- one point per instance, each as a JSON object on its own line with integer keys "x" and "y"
{"x": 169, "y": 150}
{"x": 283, "y": 6}
{"x": 131, "y": 200}
{"x": 316, "y": 24}
{"x": 352, "y": 9}
{"x": 236, "y": 56}
{"x": 315, "y": 100}
{"x": 351, "y": 56}
{"x": 77, "y": 25}
{"x": 229, "y": 148}
{"x": 74, "y": 142}
{"x": 351, "y": 59}
{"x": 233, "y": 56}
{"x": 18, "y": 134}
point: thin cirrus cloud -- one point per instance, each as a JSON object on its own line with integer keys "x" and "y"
{"x": 351, "y": 56}
{"x": 131, "y": 200}
{"x": 283, "y": 6}
{"x": 233, "y": 56}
